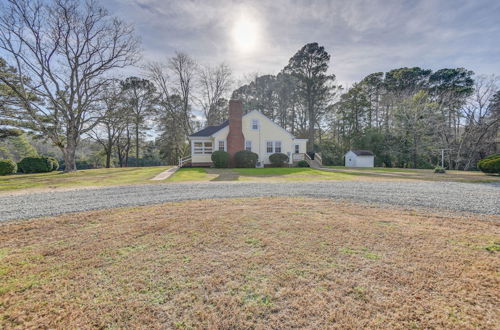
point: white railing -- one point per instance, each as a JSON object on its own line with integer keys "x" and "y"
{"x": 184, "y": 160}
{"x": 318, "y": 158}
{"x": 297, "y": 157}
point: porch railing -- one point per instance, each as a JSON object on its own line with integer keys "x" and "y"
{"x": 318, "y": 158}
{"x": 184, "y": 160}
{"x": 297, "y": 157}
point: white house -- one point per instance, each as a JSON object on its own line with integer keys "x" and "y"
{"x": 252, "y": 131}
{"x": 359, "y": 158}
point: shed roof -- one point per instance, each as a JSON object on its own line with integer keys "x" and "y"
{"x": 363, "y": 152}
{"x": 210, "y": 130}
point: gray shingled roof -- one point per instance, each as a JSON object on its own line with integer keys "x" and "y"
{"x": 363, "y": 152}
{"x": 210, "y": 130}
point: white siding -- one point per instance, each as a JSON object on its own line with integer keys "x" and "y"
{"x": 350, "y": 159}
{"x": 353, "y": 160}
{"x": 202, "y": 158}
{"x": 267, "y": 131}
{"x": 365, "y": 161}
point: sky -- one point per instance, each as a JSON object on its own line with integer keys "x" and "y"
{"x": 362, "y": 37}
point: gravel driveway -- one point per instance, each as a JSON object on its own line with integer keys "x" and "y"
{"x": 468, "y": 197}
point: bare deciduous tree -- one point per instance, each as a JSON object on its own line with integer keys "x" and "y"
{"x": 183, "y": 69}
{"x": 171, "y": 113}
{"x": 479, "y": 121}
{"x": 114, "y": 119}
{"x": 66, "y": 48}
{"x": 214, "y": 83}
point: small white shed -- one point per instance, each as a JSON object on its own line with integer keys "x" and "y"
{"x": 359, "y": 158}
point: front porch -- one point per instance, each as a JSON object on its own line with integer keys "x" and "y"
{"x": 204, "y": 153}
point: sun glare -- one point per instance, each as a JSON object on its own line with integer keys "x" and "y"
{"x": 245, "y": 34}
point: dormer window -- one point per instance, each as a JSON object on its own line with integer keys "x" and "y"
{"x": 255, "y": 124}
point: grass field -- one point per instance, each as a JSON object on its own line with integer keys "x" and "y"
{"x": 81, "y": 178}
{"x": 257, "y": 174}
{"x": 417, "y": 174}
{"x": 191, "y": 174}
{"x": 141, "y": 175}
{"x": 251, "y": 263}
{"x": 376, "y": 169}
{"x": 334, "y": 173}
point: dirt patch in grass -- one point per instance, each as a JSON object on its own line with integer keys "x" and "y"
{"x": 251, "y": 263}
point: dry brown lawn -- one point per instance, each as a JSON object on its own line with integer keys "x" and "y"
{"x": 251, "y": 263}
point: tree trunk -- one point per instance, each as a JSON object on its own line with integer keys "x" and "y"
{"x": 415, "y": 151}
{"x": 108, "y": 159}
{"x": 136, "y": 145}
{"x": 69, "y": 154}
{"x": 120, "y": 158}
{"x": 310, "y": 133}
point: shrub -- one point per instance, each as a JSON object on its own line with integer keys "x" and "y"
{"x": 245, "y": 159}
{"x": 35, "y": 165}
{"x": 439, "y": 169}
{"x": 303, "y": 163}
{"x": 54, "y": 163}
{"x": 220, "y": 159}
{"x": 278, "y": 159}
{"x": 7, "y": 166}
{"x": 490, "y": 164}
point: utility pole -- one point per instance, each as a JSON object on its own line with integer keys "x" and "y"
{"x": 442, "y": 155}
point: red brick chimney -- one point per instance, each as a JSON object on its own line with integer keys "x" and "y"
{"x": 235, "y": 138}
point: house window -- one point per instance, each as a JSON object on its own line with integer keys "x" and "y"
{"x": 273, "y": 146}
{"x": 248, "y": 145}
{"x": 207, "y": 148}
{"x": 202, "y": 148}
{"x": 269, "y": 147}
{"x": 198, "y": 148}
{"x": 277, "y": 146}
{"x": 297, "y": 148}
{"x": 255, "y": 124}
{"x": 222, "y": 146}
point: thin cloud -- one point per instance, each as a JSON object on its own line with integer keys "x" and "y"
{"x": 362, "y": 36}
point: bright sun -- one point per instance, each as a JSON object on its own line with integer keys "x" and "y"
{"x": 246, "y": 34}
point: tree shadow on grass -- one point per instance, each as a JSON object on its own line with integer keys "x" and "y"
{"x": 224, "y": 175}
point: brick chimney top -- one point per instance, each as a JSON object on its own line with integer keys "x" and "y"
{"x": 235, "y": 109}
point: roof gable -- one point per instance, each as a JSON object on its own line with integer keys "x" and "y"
{"x": 269, "y": 119}
{"x": 211, "y": 130}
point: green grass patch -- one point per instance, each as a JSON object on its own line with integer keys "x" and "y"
{"x": 81, "y": 178}
{"x": 256, "y": 174}
{"x": 190, "y": 174}
{"x": 376, "y": 169}
{"x": 494, "y": 247}
{"x": 364, "y": 252}
{"x": 255, "y": 242}
{"x": 291, "y": 174}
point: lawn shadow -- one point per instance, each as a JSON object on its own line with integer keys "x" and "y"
{"x": 223, "y": 175}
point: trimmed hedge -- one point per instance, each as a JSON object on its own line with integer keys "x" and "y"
{"x": 278, "y": 159}
{"x": 490, "y": 164}
{"x": 302, "y": 163}
{"x": 439, "y": 169}
{"x": 245, "y": 159}
{"x": 220, "y": 159}
{"x": 37, "y": 165}
{"x": 7, "y": 166}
